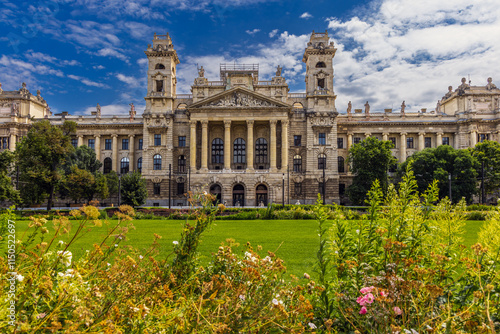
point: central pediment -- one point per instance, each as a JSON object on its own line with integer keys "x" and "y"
{"x": 238, "y": 97}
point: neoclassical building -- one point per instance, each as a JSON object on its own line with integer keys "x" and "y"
{"x": 251, "y": 142}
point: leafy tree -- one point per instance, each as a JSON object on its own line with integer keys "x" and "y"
{"x": 369, "y": 161}
{"x": 112, "y": 182}
{"x": 7, "y": 191}
{"x": 133, "y": 189}
{"x": 40, "y": 156}
{"x": 488, "y": 153}
{"x": 437, "y": 164}
{"x": 85, "y": 185}
{"x": 84, "y": 158}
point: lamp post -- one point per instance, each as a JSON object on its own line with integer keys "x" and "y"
{"x": 119, "y": 189}
{"x": 283, "y": 191}
{"x": 169, "y": 186}
{"x": 324, "y": 181}
{"x": 288, "y": 180}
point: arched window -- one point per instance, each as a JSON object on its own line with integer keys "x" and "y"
{"x": 182, "y": 164}
{"x": 107, "y": 165}
{"x": 261, "y": 151}
{"x": 124, "y": 165}
{"x": 157, "y": 162}
{"x": 239, "y": 151}
{"x": 320, "y": 64}
{"x": 341, "y": 164}
{"x": 217, "y": 151}
{"x": 322, "y": 161}
{"x": 139, "y": 165}
{"x": 160, "y": 67}
{"x": 297, "y": 163}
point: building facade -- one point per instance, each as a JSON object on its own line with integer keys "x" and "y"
{"x": 251, "y": 142}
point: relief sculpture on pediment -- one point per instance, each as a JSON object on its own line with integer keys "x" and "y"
{"x": 240, "y": 100}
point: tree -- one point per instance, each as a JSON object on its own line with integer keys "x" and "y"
{"x": 133, "y": 189}
{"x": 437, "y": 164}
{"x": 112, "y": 182}
{"x": 369, "y": 161}
{"x": 82, "y": 184}
{"x": 84, "y": 158}
{"x": 7, "y": 191}
{"x": 40, "y": 156}
{"x": 488, "y": 153}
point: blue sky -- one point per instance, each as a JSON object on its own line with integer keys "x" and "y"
{"x": 83, "y": 52}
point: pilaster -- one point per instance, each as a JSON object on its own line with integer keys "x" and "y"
{"x": 192, "y": 146}
{"x": 114, "y": 153}
{"x": 272, "y": 124}
{"x": 98, "y": 147}
{"x": 204, "y": 145}
{"x": 131, "y": 152}
{"x": 250, "y": 145}
{"x": 284, "y": 145}
{"x": 227, "y": 144}
{"x": 402, "y": 150}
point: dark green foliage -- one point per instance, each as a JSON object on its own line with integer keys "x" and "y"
{"x": 488, "y": 153}
{"x": 133, "y": 189}
{"x": 112, "y": 182}
{"x": 437, "y": 163}
{"x": 84, "y": 158}
{"x": 7, "y": 191}
{"x": 369, "y": 161}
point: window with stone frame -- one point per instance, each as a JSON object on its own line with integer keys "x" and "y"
{"x": 480, "y": 137}
{"x": 446, "y": 140}
{"x": 125, "y": 144}
{"x": 393, "y": 141}
{"x": 322, "y": 138}
{"x": 409, "y": 142}
{"x": 5, "y": 143}
{"x": 140, "y": 144}
{"x": 340, "y": 142}
{"x": 298, "y": 188}
{"x": 157, "y": 139}
{"x": 341, "y": 166}
{"x": 156, "y": 188}
{"x": 297, "y": 163}
{"x": 74, "y": 142}
{"x": 341, "y": 189}
{"x": 297, "y": 140}
{"x": 107, "y": 144}
{"x": 182, "y": 141}
{"x": 357, "y": 140}
{"x": 261, "y": 151}
{"x": 427, "y": 142}
{"x": 139, "y": 165}
{"x": 157, "y": 162}
{"x": 180, "y": 188}
{"x": 124, "y": 165}
{"x": 239, "y": 151}
{"x": 91, "y": 143}
{"x": 107, "y": 165}
{"x": 181, "y": 164}
{"x": 217, "y": 151}
{"x": 322, "y": 161}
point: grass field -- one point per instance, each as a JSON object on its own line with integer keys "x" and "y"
{"x": 295, "y": 241}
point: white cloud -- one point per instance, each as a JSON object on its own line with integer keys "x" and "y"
{"x": 87, "y": 82}
{"x": 45, "y": 58}
{"x": 306, "y": 16}
{"x": 113, "y": 53}
{"x": 98, "y": 67}
{"x": 252, "y": 32}
{"x": 273, "y": 33}
{"x": 131, "y": 81}
{"x": 119, "y": 109}
{"x": 407, "y": 50}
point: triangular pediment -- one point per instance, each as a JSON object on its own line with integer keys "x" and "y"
{"x": 238, "y": 97}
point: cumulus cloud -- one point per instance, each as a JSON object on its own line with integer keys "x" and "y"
{"x": 86, "y": 81}
{"x": 305, "y": 15}
{"x": 120, "y": 109}
{"x": 407, "y": 50}
{"x": 273, "y": 33}
{"x": 252, "y": 32}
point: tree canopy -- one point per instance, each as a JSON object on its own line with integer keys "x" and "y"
{"x": 369, "y": 161}
{"x": 133, "y": 189}
{"x": 488, "y": 153}
{"x": 7, "y": 190}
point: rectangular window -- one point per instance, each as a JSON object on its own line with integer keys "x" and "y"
{"x": 340, "y": 142}
{"x": 393, "y": 141}
{"x": 320, "y": 188}
{"x": 446, "y": 140}
{"x": 322, "y": 139}
{"x": 297, "y": 140}
{"x": 124, "y": 144}
{"x": 409, "y": 142}
{"x": 182, "y": 141}
{"x": 298, "y": 188}
{"x": 482, "y": 137}
{"x": 428, "y": 142}
{"x": 107, "y": 144}
{"x": 91, "y": 143}
{"x": 5, "y": 143}
{"x": 180, "y": 188}
{"x": 156, "y": 188}
{"x": 341, "y": 189}
{"x": 157, "y": 139}
{"x": 357, "y": 140}
{"x": 74, "y": 142}
{"x": 140, "y": 144}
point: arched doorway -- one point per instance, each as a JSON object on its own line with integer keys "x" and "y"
{"x": 216, "y": 190}
{"x": 261, "y": 195}
{"x": 238, "y": 195}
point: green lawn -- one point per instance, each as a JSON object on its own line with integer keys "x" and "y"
{"x": 295, "y": 241}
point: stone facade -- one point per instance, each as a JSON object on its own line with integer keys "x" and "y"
{"x": 243, "y": 139}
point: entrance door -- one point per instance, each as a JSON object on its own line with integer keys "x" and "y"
{"x": 261, "y": 194}
{"x": 238, "y": 195}
{"x": 216, "y": 190}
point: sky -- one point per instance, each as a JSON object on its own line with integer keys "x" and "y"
{"x": 83, "y": 52}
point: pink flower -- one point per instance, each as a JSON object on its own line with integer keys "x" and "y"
{"x": 383, "y": 293}
{"x": 369, "y": 298}
{"x": 363, "y": 310}
{"x": 367, "y": 289}
{"x": 361, "y": 300}
{"x": 397, "y": 310}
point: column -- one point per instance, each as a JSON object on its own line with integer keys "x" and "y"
{"x": 385, "y": 136}
{"x": 131, "y": 151}
{"x": 439, "y": 139}
{"x": 473, "y": 138}
{"x": 114, "y": 154}
{"x": 97, "y": 147}
{"x": 204, "y": 144}
{"x": 402, "y": 150}
{"x": 272, "y": 124}
{"x": 250, "y": 144}
{"x": 498, "y": 131}
{"x": 284, "y": 145}
{"x": 421, "y": 141}
{"x": 80, "y": 140}
{"x": 349, "y": 140}
{"x": 192, "y": 146}
{"x": 367, "y": 135}
{"x": 12, "y": 142}
{"x": 227, "y": 145}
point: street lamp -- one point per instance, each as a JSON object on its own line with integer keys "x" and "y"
{"x": 283, "y": 191}
{"x": 169, "y": 186}
{"x": 324, "y": 181}
{"x": 119, "y": 189}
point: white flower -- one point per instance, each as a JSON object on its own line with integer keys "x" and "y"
{"x": 267, "y": 259}
{"x": 66, "y": 257}
{"x": 116, "y": 245}
{"x": 275, "y": 301}
{"x": 19, "y": 277}
{"x": 109, "y": 264}
{"x": 357, "y": 231}
{"x": 135, "y": 309}
{"x": 175, "y": 242}
{"x": 312, "y": 326}
{"x": 205, "y": 193}
{"x": 61, "y": 242}
{"x": 242, "y": 297}
{"x": 141, "y": 257}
